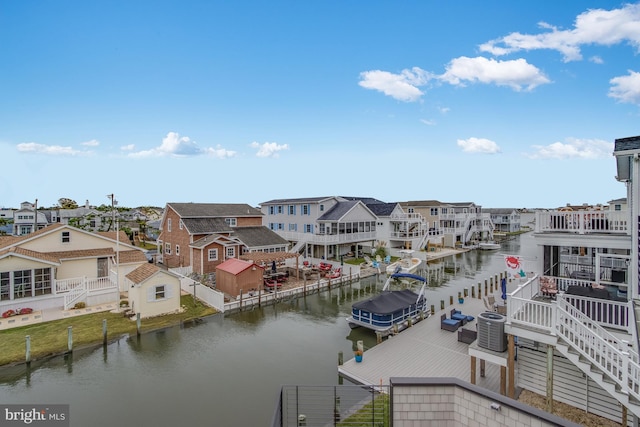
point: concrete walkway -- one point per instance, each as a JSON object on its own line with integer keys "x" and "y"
{"x": 51, "y": 314}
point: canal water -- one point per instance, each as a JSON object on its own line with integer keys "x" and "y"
{"x": 227, "y": 370}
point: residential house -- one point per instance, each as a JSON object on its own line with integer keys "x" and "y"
{"x": 85, "y": 217}
{"x": 60, "y": 265}
{"x": 200, "y": 236}
{"x": 153, "y": 291}
{"x": 505, "y": 220}
{"x": 458, "y": 223}
{"x": 322, "y": 227}
{"x": 575, "y": 319}
{"x": 27, "y": 220}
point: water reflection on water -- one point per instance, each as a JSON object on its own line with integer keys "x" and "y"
{"x": 228, "y": 370}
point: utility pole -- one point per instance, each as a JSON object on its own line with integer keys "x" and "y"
{"x": 35, "y": 217}
{"x": 114, "y": 202}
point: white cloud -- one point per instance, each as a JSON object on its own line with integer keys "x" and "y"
{"x": 57, "y": 150}
{"x": 269, "y": 149}
{"x": 129, "y": 147}
{"x": 593, "y": 27}
{"x": 516, "y": 74}
{"x": 478, "y": 145}
{"x": 574, "y": 148}
{"x": 596, "y": 59}
{"x": 428, "y": 122}
{"x": 181, "y": 146}
{"x": 444, "y": 110}
{"x": 403, "y": 86}
{"x": 92, "y": 143}
{"x": 626, "y": 88}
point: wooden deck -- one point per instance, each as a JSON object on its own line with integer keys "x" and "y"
{"x": 425, "y": 350}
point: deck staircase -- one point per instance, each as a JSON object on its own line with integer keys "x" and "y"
{"x": 612, "y": 363}
{"x": 75, "y": 295}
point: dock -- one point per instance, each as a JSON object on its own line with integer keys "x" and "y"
{"x": 425, "y": 350}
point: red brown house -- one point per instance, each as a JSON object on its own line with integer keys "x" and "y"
{"x": 203, "y": 235}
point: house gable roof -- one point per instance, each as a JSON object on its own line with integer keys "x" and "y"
{"x": 215, "y": 238}
{"x": 259, "y": 236}
{"x": 235, "y": 266}
{"x": 340, "y": 209}
{"x": 206, "y": 225}
{"x": 214, "y": 210}
{"x": 298, "y": 201}
{"x": 29, "y": 254}
{"x": 145, "y": 272}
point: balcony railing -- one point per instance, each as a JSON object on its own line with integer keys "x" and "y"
{"x": 328, "y": 239}
{"x": 583, "y": 222}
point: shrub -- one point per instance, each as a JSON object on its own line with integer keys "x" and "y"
{"x": 26, "y": 310}
{"x": 80, "y": 304}
{"x": 124, "y": 303}
{"x": 8, "y": 313}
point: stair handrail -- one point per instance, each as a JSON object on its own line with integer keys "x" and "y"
{"x": 616, "y": 364}
{"x": 607, "y": 336}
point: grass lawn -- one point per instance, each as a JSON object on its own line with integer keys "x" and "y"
{"x": 49, "y": 338}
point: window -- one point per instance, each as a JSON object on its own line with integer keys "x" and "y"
{"x": 4, "y": 285}
{"x": 231, "y": 222}
{"x": 306, "y": 209}
{"x": 42, "y": 281}
{"x": 21, "y": 284}
{"x": 231, "y": 252}
{"x": 213, "y": 254}
{"x": 409, "y": 210}
{"x": 177, "y": 249}
{"x": 169, "y": 224}
{"x": 66, "y": 237}
{"x": 434, "y": 211}
{"x": 292, "y": 209}
{"x": 280, "y": 209}
{"x": 321, "y": 208}
{"x": 308, "y": 228}
{"x": 281, "y": 226}
{"x": 271, "y": 210}
{"x": 617, "y": 207}
{"x": 159, "y": 293}
{"x": 167, "y": 248}
{"x": 180, "y": 224}
{"x": 293, "y": 227}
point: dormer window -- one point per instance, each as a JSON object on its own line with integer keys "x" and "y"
{"x": 231, "y": 222}
{"x": 66, "y": 237}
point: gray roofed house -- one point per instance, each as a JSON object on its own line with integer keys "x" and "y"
{"x": 212, "y": 210}
{"x": 321, "y": 226}
{"x": 203, "y": 235}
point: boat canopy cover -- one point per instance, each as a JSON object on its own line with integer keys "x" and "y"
{"x": 388, "y": 302}
{"x": 408, "y": 276}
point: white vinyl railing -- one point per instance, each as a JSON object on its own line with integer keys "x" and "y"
{"x": 611, "y": 358}
{"x": 66, "y": 285}
{"x": 580, "y": 322}
{"x": 100, "y": 283}
{"x": 74, "y": 295}
{"x": 583, "y": 222}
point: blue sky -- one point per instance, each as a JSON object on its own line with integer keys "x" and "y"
{"x": 502, "y": 103}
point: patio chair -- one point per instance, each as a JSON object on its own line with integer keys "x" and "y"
{"x": 548, "y": 287}
{"x": 463, "y": 318}
{"x": 387, "y": 259}
{"x": 450, "y": 325}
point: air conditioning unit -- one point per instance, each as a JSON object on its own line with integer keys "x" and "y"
{"x": 491, "y": 331}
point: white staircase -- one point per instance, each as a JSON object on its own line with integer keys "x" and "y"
{"x": 609, "y": 361}
{"x": 77, "y": 294}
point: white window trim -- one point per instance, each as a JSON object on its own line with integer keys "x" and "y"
{"x": 214, "y": 251}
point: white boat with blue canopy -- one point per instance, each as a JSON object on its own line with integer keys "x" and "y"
{"x": 391, "y": 310}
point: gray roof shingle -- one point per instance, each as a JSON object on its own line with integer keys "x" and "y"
{"x": 213, "y": 210}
